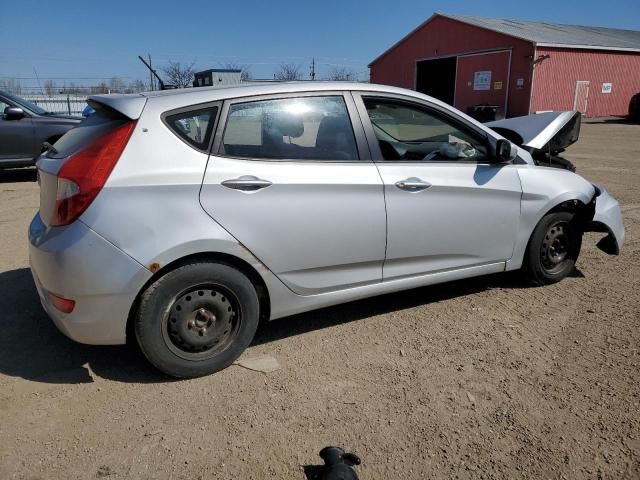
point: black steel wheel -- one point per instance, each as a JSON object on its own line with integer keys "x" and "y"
{"x": 202, "y": 321}
{"x": 197, "y": 319}
{"x": 553, "y": 248}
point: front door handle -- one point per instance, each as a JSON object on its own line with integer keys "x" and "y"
{"x": 246, "y": 183}
{"x": 412, "y": 184}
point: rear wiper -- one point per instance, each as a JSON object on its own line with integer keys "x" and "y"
{"x": 50, "y": 148}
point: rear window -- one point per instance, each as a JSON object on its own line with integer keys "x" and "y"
{"x": 103, "y": 121}
{"x": 194, "y": 127}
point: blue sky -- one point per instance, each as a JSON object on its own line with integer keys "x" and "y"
{"x": 85, "y": 40}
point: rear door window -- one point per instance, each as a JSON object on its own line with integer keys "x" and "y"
{"x": 300, "y": 128}
{"x": 194, "y": 126}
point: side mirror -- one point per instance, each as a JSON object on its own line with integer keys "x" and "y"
{"x": 13, "y": 113}
{"x": 505, "y": 151}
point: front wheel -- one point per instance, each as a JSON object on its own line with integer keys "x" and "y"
{"x": 197, "y": 319}
{"x": 553, "y": 248}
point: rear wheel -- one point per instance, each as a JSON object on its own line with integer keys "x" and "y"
{"x": 197, "y": 319}
{"x": 553, "y": 249}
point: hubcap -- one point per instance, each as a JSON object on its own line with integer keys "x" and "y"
{"x": 555, "y": 247}
{"x": 201, "y": 322}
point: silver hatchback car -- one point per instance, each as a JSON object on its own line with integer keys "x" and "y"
{"x": 186, "y": 217}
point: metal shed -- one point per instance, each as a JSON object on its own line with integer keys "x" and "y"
{"x": 217, "y": 77}
{"x": 520, "y": 66}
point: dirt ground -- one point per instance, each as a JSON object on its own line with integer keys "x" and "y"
{"x": 486, "y": 378}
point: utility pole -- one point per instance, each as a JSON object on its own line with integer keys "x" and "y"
{"x": 313, "y": 68}
{"x": 151, "y": 82}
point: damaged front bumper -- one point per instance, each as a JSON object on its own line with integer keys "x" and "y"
{"x": 607, "y": 218}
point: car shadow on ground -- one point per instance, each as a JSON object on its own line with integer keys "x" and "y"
{"x": 32, "y": 348}
{"x": 611, "y": 120}
{"x": 14, "y": 175}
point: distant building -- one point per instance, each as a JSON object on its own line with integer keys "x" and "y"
{"x": 217, "y": 77}
{"x": 521, "y": 66}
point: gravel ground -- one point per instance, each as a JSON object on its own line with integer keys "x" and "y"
{"x": 486, "y": 378}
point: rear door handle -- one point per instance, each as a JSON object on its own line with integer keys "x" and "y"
{"x": 412, "y": 184}
{"x": 246, "y": 183}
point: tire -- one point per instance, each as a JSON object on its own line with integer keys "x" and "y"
{"x": 197, "y": 319}
{"x": 553, "y": 248}
{"x": 634, "y": 108}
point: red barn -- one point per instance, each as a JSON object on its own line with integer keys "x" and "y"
{"x": 520, "y": 66}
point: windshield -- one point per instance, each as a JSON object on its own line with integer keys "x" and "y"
{"x": 25, "y": 104}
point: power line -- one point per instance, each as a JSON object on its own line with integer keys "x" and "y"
{"x": 64, "y": 78}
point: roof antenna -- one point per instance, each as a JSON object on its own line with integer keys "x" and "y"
{"x": 160, "y": 82}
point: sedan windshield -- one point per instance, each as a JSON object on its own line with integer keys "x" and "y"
{"x": 25, "y": 104}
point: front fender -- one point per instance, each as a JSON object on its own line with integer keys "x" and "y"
{"x": 608, "y": 218}
{"x": 544, "y": 189}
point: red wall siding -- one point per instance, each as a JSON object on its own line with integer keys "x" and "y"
{"x": 554, "y": 83}
{"x": 497, "y": 63}
{"x": 443, "y": 36}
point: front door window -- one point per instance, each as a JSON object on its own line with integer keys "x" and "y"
{"x": 408, "y": 133}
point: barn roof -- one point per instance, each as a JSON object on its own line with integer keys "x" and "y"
{"x": 546, "y": 34}
{"x": 558, "y": 35}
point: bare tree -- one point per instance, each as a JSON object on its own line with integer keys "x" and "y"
{"x": 180, "y": 76}
{"x": 100, "y": 88}
{"x": 287, "y": 72}
{"x": 116, "y": 85}
{"x": 50, "y": 87}
{"x": 72, "y": 88}
{"x": 136, "y": 86}
{"x": 337, "y": 74}
{"x": 11, "y": 85}
{"x": 245, "y": 74}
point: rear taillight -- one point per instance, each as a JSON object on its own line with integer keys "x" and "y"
{"x": 85, "y": 172}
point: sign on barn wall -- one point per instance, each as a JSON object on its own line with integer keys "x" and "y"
{"x": 607, "y": 87}
{"x": 482, "y": 80}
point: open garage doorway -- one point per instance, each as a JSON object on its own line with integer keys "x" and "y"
{"x": 437, "y": 78}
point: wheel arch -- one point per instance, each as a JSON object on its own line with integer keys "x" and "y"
{"x": 573, "y": 202}
{"x": 584, "y": 214}
{"x": 214, "y": 257}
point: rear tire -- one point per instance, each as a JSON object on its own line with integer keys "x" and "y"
{"x": 197, "y": 319}
{"x": 553, "y": 249}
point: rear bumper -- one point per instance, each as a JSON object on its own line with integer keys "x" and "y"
{"x": 76, "y": 263}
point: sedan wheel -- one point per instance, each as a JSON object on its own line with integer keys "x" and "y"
{"x": 197, "y": 319}
{"x": 202, "y": 322}
{"x": 553, "y": 248}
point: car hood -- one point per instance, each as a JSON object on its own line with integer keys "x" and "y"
{"x": 550, "y": 131}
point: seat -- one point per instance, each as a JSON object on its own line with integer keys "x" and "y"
{"x": 335, "y": 139}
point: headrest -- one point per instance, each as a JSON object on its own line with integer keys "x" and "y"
{"x": 287, "y": 124}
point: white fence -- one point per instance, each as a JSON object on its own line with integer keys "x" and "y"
{"x": 66, "y": 104}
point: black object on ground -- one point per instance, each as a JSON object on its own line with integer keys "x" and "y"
{"x": 337, "y": 465}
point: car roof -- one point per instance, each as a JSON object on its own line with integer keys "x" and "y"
{"x": 132, "y": 104}
{"x": 266, "y": 88}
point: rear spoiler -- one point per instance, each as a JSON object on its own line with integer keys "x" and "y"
{"x": 129, "y": 105}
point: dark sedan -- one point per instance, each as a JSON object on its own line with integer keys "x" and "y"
{"x": 24, "y": 127}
